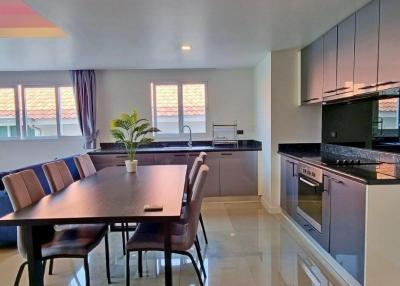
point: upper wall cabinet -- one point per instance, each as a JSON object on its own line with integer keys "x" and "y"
{"x": 366, "y": 48}
{"x": 329, "y": 62}
{"x": 312, "y": 72}
{"x": 345, "y": 56}
{"x": 389, "y": 43}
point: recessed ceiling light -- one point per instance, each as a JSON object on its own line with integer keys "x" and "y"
{"x": 186, "y": 48}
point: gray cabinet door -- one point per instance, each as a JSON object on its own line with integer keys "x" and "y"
{"x": 145, "y": 159}
{"x": 238, "y": 173}
{"x": 345, "y": 57}
{"x": 366, "y": 48}
{"x": 389, "y": 43}
{"x": 211, "y": 185}
{"x": 171, "y": 158}
{"x": 284, "y": 185}
{"x": 292, "y": 183}
{"x": 347, "y": 233}
{"x": 312, "y": 72}
{"x": 330, "y": 62}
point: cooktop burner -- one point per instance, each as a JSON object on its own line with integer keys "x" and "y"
{"x": 343, "y": 161}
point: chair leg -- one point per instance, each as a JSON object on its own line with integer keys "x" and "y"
{"x": 51, "y": 267}
{"x": 140, "y": 263}
{"x": 198, "y": 250}
{"x": 19, "y": 273}
{"x": 44, "y": 266}
{"x": 195, "y": 267}
{"x": 127, "y": 232}
{"x": 127, "y": 269}
{"x": 87, "y": 274}
{"x": 123, "y": 238}
{"x": 203, "y": 228}
{"x": 107, "y": 258}
{"x": 197, "y": 239}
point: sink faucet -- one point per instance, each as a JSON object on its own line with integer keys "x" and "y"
{"x": 190, "y": 134}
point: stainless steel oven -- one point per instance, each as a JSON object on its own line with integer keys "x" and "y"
{"x": 313, "y": 207}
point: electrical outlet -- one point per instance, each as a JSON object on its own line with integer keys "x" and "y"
{"x": 240, "y": 132}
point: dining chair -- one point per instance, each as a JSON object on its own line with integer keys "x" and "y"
{"x": 24, "y": 189}
{"x": 150, "y": 237}
{"x": 86, "y": 168}
{"x": 59, "y": 177}
{"x": 192, "y": 176}
{"x": 85, "y": 165}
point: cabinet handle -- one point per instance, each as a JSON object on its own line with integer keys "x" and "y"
{"x": 369, "y": 86}
{"x": 180, "y": 155}
{"x": 387, "y": 83}
{"x": 342, "y": 88}
{"x": 121, "y": 156}
{"x": 309, "y": 100}
{"x": 330, "y": 91}
{"x": 226, "y": 154}
{"x": 337, "y": 181}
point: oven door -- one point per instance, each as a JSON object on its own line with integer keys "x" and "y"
{"x": 313, "y": 209}
{"x": 309, "y": 205}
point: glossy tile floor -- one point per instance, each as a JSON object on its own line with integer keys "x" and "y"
{"x": 247, "y": 246}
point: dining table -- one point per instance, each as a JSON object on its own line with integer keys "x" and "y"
{"x": 112, "y": 195}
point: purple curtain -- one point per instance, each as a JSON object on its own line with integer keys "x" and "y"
{"x": 84, "y": 83}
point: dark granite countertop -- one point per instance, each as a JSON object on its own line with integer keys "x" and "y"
{"x": 383, "y": 173}
{"x": 180, "y": 146}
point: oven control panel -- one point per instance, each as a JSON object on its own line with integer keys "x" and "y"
{"x": 311, "y": 172}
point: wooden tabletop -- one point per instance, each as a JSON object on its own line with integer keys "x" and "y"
{"x": 110, "y": 196}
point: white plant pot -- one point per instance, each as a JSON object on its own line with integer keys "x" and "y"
{"x": 131, "y": 166}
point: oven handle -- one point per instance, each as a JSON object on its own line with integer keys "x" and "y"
{"x": 308, "y": 182}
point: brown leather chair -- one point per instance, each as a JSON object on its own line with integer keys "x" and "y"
{"x": 24, "y": 189}
{"x": 85, "y": 166}
{"x": 192, "y": 177}
{"x": 58, "y": 175}
{"x": 183, "y": 234}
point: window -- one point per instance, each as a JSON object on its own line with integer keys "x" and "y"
{"x": 175, "y": 105}
{"x": 8, "y": 111}
{"x": 38, "y": 112}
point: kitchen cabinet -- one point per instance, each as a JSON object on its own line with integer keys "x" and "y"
{"x": 211, "y": 185}
{"x": 389, "y": 43}
{"x": 238, "y": 173}
{"x": 312, "y": 72}
{"x": 366, "y": 48}
{"x": 347, "y": 232}
{"x": 345, "y": 56}
{"x": 102, "y": 161}
{"x": 330, "y": 62}
{"x": 289, "y": 186}
{"x": 171, "y": 158}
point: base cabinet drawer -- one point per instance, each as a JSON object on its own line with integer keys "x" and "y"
{"x": 211, "y": 185}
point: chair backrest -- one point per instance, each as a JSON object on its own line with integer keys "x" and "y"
{"x": 24, "y": 189}
{"x": 58, "y": 175}
{"x": 194, "y": 170}
{"x": 85, "y": 165}
{"x": 203, "y": 155}
{"x": 195, "y": 203}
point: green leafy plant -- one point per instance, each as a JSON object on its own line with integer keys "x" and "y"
{"x": 132, "y": 132}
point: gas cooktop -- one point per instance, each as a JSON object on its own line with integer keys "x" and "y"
{"x": 333, "y": 160}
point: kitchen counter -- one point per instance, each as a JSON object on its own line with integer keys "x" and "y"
{"x": 382, "y": 173}
{"x": 180, "y": 146}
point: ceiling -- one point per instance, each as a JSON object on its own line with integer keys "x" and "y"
{"x": 147, "y": 34}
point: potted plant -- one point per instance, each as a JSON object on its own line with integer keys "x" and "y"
{"x": 132, "y": 133}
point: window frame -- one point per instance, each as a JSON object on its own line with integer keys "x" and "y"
{"x": 181, "y": 122}
{"x": 20, "y": 111}
{"x": 17, "y": 113}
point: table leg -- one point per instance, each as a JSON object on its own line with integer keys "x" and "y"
{"x": 167, "y": 254}
{"x": 34, "y": 255}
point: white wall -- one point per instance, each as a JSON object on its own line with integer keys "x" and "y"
{"x": 286, "y": 121}
{"x": 17, "y": 153}
{"x": 230, "y": 96}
